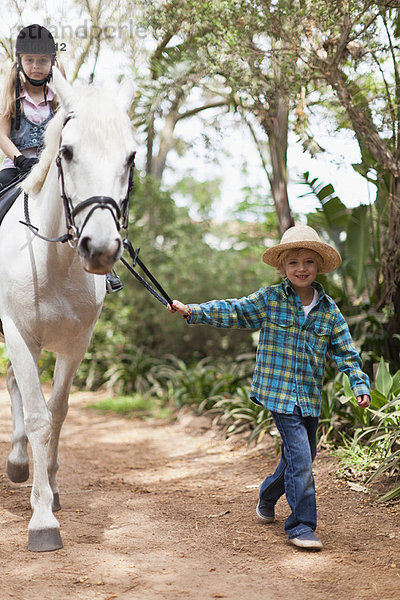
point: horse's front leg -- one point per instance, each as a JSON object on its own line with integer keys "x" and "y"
{"x": 64, "y": 372}
{"x": 44, "y": 529}
{"x": 18, "y": 460}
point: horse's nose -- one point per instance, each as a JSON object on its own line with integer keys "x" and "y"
{"x": 84, "y": 246}
{"x": 89, "y": 249}
{"x": 98, "y": 258}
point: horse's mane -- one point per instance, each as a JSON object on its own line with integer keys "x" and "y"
{"x": 35, "y": 180}
{"x": 101, "y": 122}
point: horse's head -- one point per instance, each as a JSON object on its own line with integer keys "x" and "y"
{"x": 95, "y": 157}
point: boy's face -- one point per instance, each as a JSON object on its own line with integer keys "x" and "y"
{"x": 301, "y": 268}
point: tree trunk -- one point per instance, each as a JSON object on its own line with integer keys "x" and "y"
{"x": 368, "y": 137}
{"x": 166, "y": 142}
{"x": 276, "y": 127}
{"x": 391, "y": 273}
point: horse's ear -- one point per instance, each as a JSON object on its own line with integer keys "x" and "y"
{"x": 63, "y": 90}
{"x": 126, "y": 93}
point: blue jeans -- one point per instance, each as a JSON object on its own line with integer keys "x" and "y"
{"x": 293, "y": 475}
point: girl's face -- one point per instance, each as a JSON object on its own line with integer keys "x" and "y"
{"x": 36, "y": 66}
{"x": 301, "y": 268}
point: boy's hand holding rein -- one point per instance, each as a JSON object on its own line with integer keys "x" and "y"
{"x": 179, "y": 307}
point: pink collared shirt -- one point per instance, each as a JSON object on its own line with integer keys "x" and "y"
{"x": 37, "y": 113}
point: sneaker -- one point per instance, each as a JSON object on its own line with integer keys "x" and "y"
{"x": 113, "y": 283}
{"x": 266, "y": 515}
{"x": 307, "y": 540}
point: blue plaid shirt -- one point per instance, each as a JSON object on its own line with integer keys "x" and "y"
{"x": 292, "y": 349}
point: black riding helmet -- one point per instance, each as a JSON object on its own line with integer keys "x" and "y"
{"x": 33, "y": 39}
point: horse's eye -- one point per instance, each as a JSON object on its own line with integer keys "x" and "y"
{"x": 67, "y": 153}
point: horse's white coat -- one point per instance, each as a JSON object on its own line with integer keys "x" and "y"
{"x": 48, "y": 297}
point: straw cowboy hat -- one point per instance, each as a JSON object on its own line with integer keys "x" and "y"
{"x": 303, "y": 236}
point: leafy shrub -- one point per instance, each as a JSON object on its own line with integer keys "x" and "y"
{"x": 340, "y": 413}
{"x": 238, "y": 413}
{"x": 199, "y": 384}
{"x": 375, "y": 446}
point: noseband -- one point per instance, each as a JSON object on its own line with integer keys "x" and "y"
{"x": 73, "y": 235}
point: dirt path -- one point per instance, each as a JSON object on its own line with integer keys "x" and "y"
{"x": 167, "y": 511}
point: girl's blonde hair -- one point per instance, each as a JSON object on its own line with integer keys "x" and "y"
{"x": 9, "y": 104}
{"x": 281, "y": 261}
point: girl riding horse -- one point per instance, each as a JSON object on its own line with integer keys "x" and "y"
{"x": 28, "y": 105}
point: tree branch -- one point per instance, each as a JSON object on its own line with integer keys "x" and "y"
{"x": 361, "y": 118}
{"x": 389, "y": 97}
{"x": 195, "y": 111}
{"x": 395, "y": 115}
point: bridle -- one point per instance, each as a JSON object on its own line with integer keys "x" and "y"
{"x": 121, "y": 218}
{"x": 73, "y": 235}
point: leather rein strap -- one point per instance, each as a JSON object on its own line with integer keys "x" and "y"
{"x": 162, "y": 297}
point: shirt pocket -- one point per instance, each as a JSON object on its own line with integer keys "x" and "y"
{"x": 280, "y": 330}
{"x": 317, "y": 338}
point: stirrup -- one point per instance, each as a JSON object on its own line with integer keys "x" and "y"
{"x": 113, "y": 283}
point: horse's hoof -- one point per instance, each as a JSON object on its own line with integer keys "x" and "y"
{"x": 44, "y": 540}
{"x": 56, "y": 502}
{"x": 17, "y": 473}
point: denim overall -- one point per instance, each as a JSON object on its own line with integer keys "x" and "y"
{"x": 29, "y": 134}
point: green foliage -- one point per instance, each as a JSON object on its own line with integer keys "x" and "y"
{"x": 340, "y": 413}
{"x": 238, "y": 414}
{"x": 134, "y": 330}
{"x": 138, "y": 405}
{"x": 202, "y": 194}
{"x": 3, "y": 360}
{"x": 200, "y": 384}
{"x": 357, "y": 460}
{"x": 351, "y": 231}
{"x": 375, "y": 446}
{"x": 115, "y": 363}
{"x": 219, "y": 388}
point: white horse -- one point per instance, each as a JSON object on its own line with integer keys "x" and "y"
{"x": 51, "y": 294}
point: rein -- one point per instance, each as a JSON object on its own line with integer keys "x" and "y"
{"x": 134, "y": 254}
{"x": 119, "y": 214}
{"x": 67, "y": 237}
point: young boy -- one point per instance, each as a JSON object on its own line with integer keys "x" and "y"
{"x": 299, "y": 325}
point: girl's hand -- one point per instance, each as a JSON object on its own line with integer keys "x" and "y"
{"x": 179, "y": 307}
{"x": 363, "y": 401}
